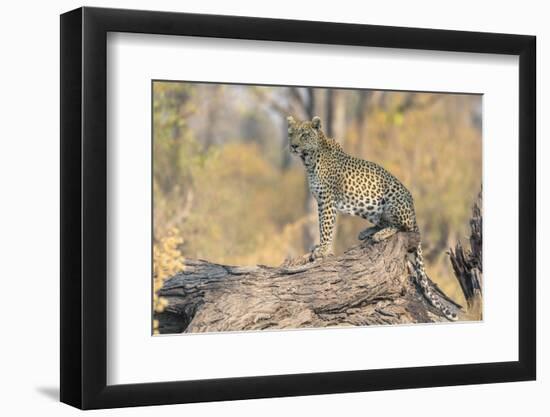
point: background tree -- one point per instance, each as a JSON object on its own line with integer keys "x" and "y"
{"x": 224, "y": 178}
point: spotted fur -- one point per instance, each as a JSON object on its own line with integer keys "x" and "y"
{"x": 342, "y": 183}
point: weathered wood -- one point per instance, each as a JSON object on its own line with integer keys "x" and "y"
{"x": 467, "y": 264}
{"x": 368, "y": 285}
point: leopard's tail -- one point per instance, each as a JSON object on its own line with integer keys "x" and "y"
{"x": 446, "y": 306}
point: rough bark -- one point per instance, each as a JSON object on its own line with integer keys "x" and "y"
{"x": 368, "y": 285}
{"x": 467, "y": 263}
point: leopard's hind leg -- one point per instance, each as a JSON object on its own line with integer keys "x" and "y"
{"x": 374, "y": 218}
{"x": 381, "y": 230}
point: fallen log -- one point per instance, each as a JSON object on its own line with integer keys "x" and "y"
{"x": 369, "y": 284}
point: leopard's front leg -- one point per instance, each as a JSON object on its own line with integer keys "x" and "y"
{"x": 327, "y": 221}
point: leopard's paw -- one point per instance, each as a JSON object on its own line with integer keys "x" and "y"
{"x": 297, "y": 261}
{"x": 320, "y": 252}
{"x": 368, "y": 232}
{"x": 383, "y": 234}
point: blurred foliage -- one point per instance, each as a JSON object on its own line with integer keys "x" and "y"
{"x": 223, "y": 176}
{"x": 167, "y": 260}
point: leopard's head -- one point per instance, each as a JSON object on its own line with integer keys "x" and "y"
{"x": 305, "y": 138}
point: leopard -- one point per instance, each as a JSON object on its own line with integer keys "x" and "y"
{"x": 342, "y": 183}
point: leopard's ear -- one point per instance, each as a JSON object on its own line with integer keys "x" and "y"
{"x": 291, "y": 124}
{"x": 316, "y": 122}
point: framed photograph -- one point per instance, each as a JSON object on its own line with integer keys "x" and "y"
{"x": 258, "y": 208}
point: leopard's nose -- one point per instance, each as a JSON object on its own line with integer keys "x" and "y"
{"x": 294, "y": 147}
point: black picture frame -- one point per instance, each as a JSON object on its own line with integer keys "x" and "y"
{"x": 84, "y": 207}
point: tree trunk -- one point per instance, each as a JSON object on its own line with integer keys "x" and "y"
{"x": 367, "y": 285}
{"x": 468, "y": 265}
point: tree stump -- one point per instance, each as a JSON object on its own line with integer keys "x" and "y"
{"x": 369, "y": 284}
{"x": 467, "y": 264}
